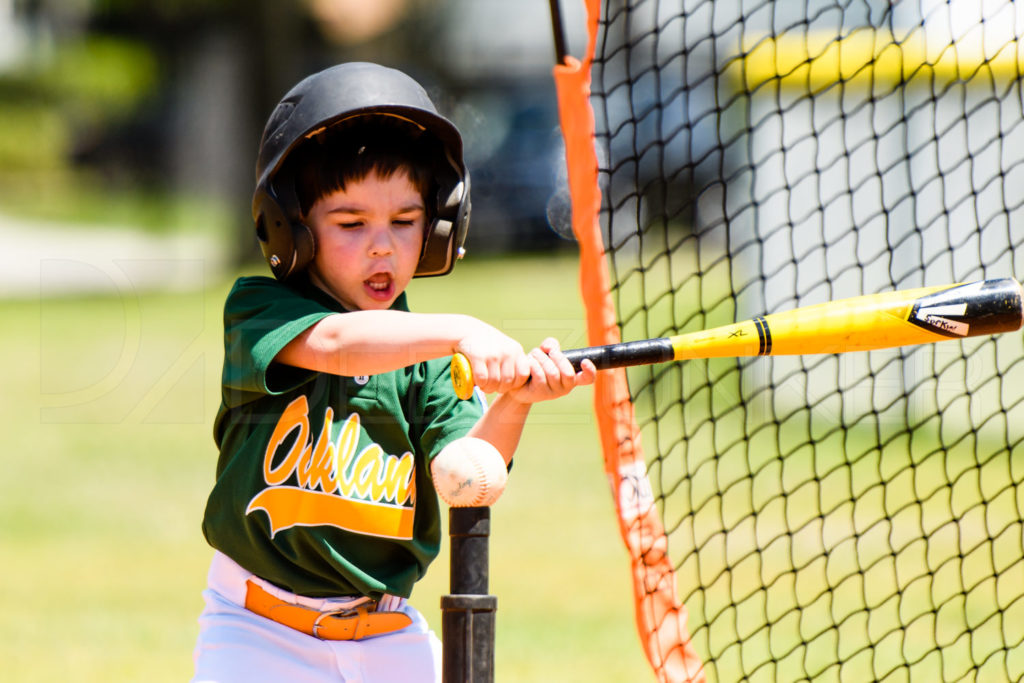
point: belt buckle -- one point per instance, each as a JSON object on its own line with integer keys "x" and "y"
{"x": 340, "y": 613}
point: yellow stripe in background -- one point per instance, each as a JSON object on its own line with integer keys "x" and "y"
{"x": 815, "y": 61}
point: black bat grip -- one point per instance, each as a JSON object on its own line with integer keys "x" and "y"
{"x": 623, "y": 355}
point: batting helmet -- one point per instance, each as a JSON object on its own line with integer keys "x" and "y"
{"x": 339, "y": 93}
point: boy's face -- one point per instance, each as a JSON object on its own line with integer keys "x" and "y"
{"x": 368, "y": 240}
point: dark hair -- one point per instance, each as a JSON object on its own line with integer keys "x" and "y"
{"x": 352, "y": 150}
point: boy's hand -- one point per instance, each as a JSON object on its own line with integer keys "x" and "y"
{"x": 552, "y": 375}
{"x": 498, "y": 362}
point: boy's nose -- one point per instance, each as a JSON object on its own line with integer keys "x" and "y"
{"x": 380, "y": 243}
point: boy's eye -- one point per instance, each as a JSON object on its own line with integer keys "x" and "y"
{"x": 349, "y": 224}
{"x": 404, "y": 221}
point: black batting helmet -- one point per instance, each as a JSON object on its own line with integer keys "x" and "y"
{"x": 330, "y": 96}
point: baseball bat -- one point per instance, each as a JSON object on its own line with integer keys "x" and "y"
{"x": 863, "y": 323}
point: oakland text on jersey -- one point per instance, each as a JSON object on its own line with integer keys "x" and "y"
{"x": 332, "y": 481}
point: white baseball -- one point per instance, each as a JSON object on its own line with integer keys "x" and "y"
{"x": 469, "y": 472}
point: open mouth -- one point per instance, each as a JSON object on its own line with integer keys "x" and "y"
{"x": 380, "y": 287}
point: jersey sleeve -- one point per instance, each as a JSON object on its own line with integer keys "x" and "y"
{"x": 444, "y": 417}
{"x": 261, "y": 316}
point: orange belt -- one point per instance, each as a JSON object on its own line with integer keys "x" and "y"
{"x": 348, "y": 624}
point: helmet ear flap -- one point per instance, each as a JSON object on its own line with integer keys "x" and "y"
{"x": 442, "y": 244}
{"x": 305, "y": 245}
{"x": 287, "y": 245}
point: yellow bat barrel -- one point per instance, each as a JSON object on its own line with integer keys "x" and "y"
{"x": 875, "y": 321}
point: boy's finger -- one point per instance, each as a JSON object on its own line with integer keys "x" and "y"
{"x": 587, "y": 373}
{"x": 481, "y": 374}
{"x": 524, "y": 367}
{"x": 565, "y": 368}
{"x": 549, "y": 345}
{"x": 506, "y": 374}
{"x": 537, "y": 374}
{"x": 510, "y": 376}
{"x": 495, "y": 375}
{"x": 547, "y": 366}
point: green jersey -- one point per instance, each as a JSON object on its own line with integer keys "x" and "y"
{"x": 323, "y": 482}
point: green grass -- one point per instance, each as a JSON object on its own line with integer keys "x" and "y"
{"x": 107, "y": 406}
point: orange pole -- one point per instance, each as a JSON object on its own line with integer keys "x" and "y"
{"x": 660, "y": 615}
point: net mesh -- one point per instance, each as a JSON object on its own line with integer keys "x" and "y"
{"x": 838, "y": 517}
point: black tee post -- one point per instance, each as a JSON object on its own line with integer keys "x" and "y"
{"x": 468, "y": 612}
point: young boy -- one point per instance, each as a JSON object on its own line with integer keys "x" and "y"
{"x": 337, "y": 399}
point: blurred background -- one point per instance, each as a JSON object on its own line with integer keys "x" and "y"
{"x": 146, "y": 115}
{"x": 128, "y": 138}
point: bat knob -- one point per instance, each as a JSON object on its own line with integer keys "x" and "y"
{"x": 462, "y": 376}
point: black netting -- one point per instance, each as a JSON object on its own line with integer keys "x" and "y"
{"x": 840, "y": 517}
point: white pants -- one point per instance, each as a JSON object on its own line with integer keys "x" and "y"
{"x": 237, "y": 645}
